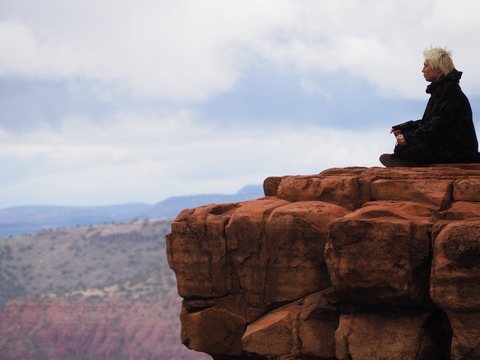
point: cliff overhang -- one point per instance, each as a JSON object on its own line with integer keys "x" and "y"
{"x": 351, "y": 263}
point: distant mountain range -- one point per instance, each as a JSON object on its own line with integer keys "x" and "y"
{"x": 31, "y": 219}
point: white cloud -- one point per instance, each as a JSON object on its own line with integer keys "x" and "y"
{"x": 182, "y": 50}
{"x": 188, "y": 50}
{"x": 150, "y": 158}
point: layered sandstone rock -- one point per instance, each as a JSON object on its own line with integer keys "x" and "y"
{"x": 352, "y": 263}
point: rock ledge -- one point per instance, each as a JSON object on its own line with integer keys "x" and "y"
{"x": 351, "y": 263}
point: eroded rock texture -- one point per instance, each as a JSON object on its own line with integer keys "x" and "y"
{"x": 352, "y": 263}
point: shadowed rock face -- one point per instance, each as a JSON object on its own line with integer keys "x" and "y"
{"x": 351, "y": 263}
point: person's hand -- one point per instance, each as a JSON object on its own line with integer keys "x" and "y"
{"x": 400, "y": 139}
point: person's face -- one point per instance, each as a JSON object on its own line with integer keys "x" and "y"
{"x": 428, "y": 73}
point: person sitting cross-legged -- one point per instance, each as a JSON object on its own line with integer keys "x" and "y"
{"x": 446, "y": 132}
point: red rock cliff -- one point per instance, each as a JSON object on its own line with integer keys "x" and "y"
{"x": 352, "y": 263}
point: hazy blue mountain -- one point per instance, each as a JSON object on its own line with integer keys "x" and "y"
{"x": 31, "y": 219}
{"x": 171, "y": 207}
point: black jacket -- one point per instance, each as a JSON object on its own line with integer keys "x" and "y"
{"x": 446, "y": 133}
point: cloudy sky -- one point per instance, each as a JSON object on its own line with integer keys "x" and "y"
{"x": 111, "y": 101}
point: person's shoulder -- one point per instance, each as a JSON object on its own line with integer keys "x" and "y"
{"x": 450, "y": 86}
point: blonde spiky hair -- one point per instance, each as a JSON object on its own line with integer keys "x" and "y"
{"x": 439, "y": 59}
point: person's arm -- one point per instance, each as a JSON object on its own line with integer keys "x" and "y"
{"x": 406, "y": 126}
{"x": 441, "y": 121}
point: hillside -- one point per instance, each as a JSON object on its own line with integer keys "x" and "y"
{"x": 89, "y": 291}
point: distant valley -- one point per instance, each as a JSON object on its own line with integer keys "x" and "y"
{"x": 93, "y": 282}
{"x": 90, "y": 292}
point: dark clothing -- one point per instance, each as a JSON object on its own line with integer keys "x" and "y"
{"x": 446, "y": 133}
